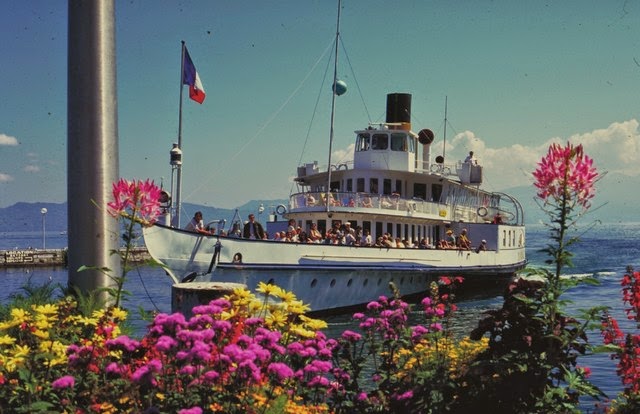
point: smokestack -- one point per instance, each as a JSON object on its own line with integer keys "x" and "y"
{"x": 399, "y": 110}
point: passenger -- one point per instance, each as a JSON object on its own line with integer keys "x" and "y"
{"x": 482, "y": 246}
{"x": 253, "y": 229}
{"x": 311, "y": 200}
{"x": 349, "y": 238}
{"x": 303, "y": 238}
{"x": 314, "y": 234}
{"x": 497, "y": 219}
{"x": 463, "y": 241}
{"x": 366, "y": 238}
{"x": 470, "y": 159}
{"x": 399, "y": 243}
{"x": 352, "y": 202}
{"x": 196, "y": 224}
{"x": 366, "y": 201}
{"x": 449, "y": 242}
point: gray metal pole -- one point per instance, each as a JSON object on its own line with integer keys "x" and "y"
{"x": 92, "y": 145}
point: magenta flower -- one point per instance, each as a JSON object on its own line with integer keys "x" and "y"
{"x": 280, "y": 370}
{"x": 67, "y": 381}
{"x": 351, "y": 336}
{"x": 135, "y": 199}
{"x": 192, "y": 410}
{"x": 566, "y": 173}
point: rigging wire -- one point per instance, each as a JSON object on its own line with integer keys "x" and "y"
{"x": 223, "y": 166}
{"x": 355, "y": 79}
{"x": 146, "y": 290}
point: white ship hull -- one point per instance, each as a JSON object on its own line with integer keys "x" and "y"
{"x": 327, "y": 277}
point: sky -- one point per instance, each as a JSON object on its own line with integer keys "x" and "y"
{"x": 517, "y": 75}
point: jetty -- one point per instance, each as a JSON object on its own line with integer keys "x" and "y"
{"x": 53, "y": 257}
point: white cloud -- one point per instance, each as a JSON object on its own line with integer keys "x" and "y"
{"x": 5, "y": 178}
{"x": 8, "y": 140}
{"x": 614, "y": 149}
{"x": 31, "y": 168}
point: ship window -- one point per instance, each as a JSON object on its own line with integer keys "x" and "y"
{"x": 362, "y": 144}
{"x": 390, "y": 228}
{"x": 360, "y": 185}
{"x": 380, "y": 142}
{"x": 399, "y": 142}
{"x": 379, "y": 282}
{"x": 271, "y": 282}
{"x": 386, "y": 186}
{"x": 314, "y": 282}
{"x": 398, "y": 230}
{"x": 366, "y": 282}
{"x": 335, "y": 186}
{"x": 373, "y": 186}
{"x": 366, "y": 225}
{"x": 436, "y": 192}
{"x": 350, "y": 282}
{"x": 378, "y": 230}
{"x": 399, "y": 187}
{"x": 322, "y": 226}
{"x": 333, "y": 282}
{"x": 420, "y": 191}
{"x": 349, "y": 184}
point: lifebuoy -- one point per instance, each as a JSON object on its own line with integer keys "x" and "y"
{"x": 281, "y": 209}
{"x": 482, "y": 211}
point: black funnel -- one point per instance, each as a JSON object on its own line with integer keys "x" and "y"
{"x": 399, "y": 108}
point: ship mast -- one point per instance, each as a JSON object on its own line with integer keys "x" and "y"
{"x": 444, "y": 145}
{"x": 333, "y": 106}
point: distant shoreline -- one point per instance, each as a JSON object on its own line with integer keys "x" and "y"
{"x": 51, "y": 257}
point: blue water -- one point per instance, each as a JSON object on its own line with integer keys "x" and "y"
{"x": 604, "y": 251}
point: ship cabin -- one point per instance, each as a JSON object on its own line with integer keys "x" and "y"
{"x": 393, "y": 186}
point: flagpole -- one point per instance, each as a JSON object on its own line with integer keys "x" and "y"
{"x": 178, "y": 197}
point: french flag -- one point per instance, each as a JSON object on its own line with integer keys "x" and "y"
{"x": 190, "y": 77}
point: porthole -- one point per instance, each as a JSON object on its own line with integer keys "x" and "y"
{"x": 402, "y": 280}
{"x": 314, "y": 282}
{"x": 349, "y": 282}
{"x": 366, "y": 282}
{"x": 379, "y": 282}
{"x": 333, "y": 282}
{"x": 271, "y": 282}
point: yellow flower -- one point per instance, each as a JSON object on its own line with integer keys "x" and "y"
{"x": 19, "y": 316}
{"x": 266, "y": 288}
{"x": 7, "y": 340}
{"x": 21, "y": 351}
{"x": 285, "y": 296}
{"x": 119, "y": 314}
{"x": 276, "y": 319}
{"x": 314, "y": 324}
{"x": 298, "y": 307}
{"x": 47, "y": 309}
{"x": 160, "y": 396}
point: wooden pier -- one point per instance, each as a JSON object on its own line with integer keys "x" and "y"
{"x": 52, "y": 257}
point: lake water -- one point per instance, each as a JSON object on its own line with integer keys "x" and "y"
{"x": 604, "y": 252}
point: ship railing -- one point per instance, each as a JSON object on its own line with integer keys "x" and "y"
{"x": 388, "y": 202}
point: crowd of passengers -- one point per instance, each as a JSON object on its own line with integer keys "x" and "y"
{"x": 344, "y": 234}
{"x": 340, "y": 234}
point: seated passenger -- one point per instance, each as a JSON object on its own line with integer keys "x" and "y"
{"x": 463, "y": 241}
{"x": 311, "y": 200}
{"x": 366, "y": 201}
{"x": 196, "y": 224}
{"x": 482, "y": 246}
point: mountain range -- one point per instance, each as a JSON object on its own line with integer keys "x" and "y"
{"x": 616, "y": 201}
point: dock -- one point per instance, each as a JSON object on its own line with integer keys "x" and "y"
{"x": 52, "y": 257}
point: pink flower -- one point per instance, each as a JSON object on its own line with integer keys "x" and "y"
{"x": 63, "y": 382}
{"x": 280, "y": 370}
{"x": 566, "y": 173}
{"x": 138, "y": 200}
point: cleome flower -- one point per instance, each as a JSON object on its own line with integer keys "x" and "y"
{"x": 566, "y": 173}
